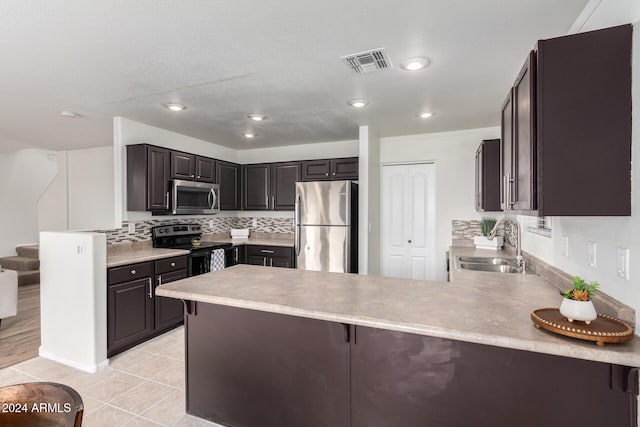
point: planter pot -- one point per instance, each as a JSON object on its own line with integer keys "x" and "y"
{"x": 484, "y": 243}
{"x": 578, "y": 310}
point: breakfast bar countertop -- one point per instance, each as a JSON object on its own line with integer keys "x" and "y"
{"x": 490, "y": 309}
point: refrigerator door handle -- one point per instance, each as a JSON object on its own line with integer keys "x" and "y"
{"x": 297, "y": 220}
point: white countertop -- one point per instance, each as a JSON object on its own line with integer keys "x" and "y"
{"x": 483, "y": 308}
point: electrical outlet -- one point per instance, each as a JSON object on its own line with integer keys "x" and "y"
{"x": 131, "y": 227}
{"x": 255, "y": 222}
{"x": 565, "y": 246}
{"x": 592, "y": 254}
{"x": 622, "y": 263}
{"x": 210, "y": 223}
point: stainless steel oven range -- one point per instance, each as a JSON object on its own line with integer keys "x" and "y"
{"x": 188, "y": 236}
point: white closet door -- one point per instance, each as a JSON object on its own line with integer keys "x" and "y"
{"x": 408, "y": 221}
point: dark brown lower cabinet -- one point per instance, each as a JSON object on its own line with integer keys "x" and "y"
{"x": 248, "y": 368}
{"x": 134, "y": 312}
{"x": 270, "y": 256}
{"x": 130, "y": 314}
{"x": 168, "y": 311}
{"x": 251, "y": 368}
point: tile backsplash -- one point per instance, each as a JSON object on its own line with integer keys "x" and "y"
{"x": 468, "y": 229}
{"x": 220, "y": 225}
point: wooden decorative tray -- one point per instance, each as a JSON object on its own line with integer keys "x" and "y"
{"x": 601, "y": 330}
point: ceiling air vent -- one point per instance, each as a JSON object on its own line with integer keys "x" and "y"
{"x": 367, "y": 62}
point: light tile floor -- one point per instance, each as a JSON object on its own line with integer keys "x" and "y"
{"x": 143, "y": 386}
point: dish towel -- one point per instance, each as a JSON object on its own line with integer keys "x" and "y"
{"x": 217, "y": 260}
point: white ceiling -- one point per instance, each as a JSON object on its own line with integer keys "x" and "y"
{"x": 226, "y": 59}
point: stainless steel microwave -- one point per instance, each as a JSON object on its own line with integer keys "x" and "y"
{"x": 190, "y": 197}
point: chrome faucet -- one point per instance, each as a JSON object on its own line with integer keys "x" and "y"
{"x": 494, "y": 230}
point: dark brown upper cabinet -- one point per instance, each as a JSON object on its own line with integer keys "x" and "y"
{"x": 229, "y": 175}
{"x": 328, "y": 169}
{"x": 283, "y": 185}
{"x": 487, "y": 197}
{"x": 567, "y": 144}
{"x": 256, "y": 183}
{"x": 191, "y": 167}
{"x": 147, "y": 178}
{"x": 270, "y": 186}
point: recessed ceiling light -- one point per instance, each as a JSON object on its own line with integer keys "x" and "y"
{"x": 176, "y": 107}
{"x": 415, "y": 64}
{"x": 358, "y": 103}
{"x": 424, "y": 115}
{"x": 249, "y": 135}
{"x": 69, "y": 114}
{"x": 257, "y": 117}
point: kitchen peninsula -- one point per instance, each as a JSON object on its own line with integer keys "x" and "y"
{"x": 273, "y": 346}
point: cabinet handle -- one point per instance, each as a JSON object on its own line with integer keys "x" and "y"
{"x": 409, "y": 241}
{"x": 159, "y": 280}
{"x": 326, "y": 174}
{"x": 133, "y": 272}
{"x": 150, "y": 288}
{"x": 270, "y": 262}
{"x": 235, "y": 255}
{"x": 173, "y": 264}
{"x": 273, "y": 202}
{"x": 334, "y": 174}
{"x": 166, "y": 200}
{"x": 198, "y": 177}
{"x": 264, "y": 261}
{"x": 193, "y": 176}
{"x": 509, "y": 184}
{"x": 266, "y": 201}
{"x": 266, "y": 251}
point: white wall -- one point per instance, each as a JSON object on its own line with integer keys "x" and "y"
{"x": 322, "y": 150}
{"x": 454, "y": 156}
{"x": 52, "y": 205}
{"x": 90, "y": 189}
{"x": 24, "y": 176}
{"x": 81, "y": 196}
{"x": 73, "y": 300}
{"x": 369, "y": 227}
{"x": 608, "y": 233}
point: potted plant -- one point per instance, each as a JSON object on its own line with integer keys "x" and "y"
{"x": 576, "y": 304}
{"x": 486, "y": 225}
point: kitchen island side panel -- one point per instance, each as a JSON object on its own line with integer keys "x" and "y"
{"x": 248, "y": 368}
{"x": 254, "y": 368}
{"x": 401, "y": 379}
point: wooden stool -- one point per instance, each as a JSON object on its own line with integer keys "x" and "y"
{"x": 40, "y": 405}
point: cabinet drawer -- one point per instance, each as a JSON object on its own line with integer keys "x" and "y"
{"x": 129, "y": 272}
{"x": 167, "y": 265}
{"x": 269, "y": 251}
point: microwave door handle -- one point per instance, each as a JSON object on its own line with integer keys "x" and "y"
{"x": 212, "y": 199}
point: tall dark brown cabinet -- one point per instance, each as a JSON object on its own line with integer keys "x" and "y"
{"x": 229, "y": 176}
{"x": 566, "y": 127}
{"x": 147, "y": 178}
{"x": 487, "y": 197}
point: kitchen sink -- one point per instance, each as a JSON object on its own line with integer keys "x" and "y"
{"x": 486, "y": 260}
{"x": 488, "y": 264}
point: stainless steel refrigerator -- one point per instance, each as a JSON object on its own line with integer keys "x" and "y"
{"x": 326, "y": 217}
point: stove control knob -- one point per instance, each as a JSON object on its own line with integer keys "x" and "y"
{"x": 167, "y": 230}
{"x": 160, "y": 230}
